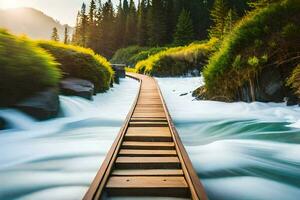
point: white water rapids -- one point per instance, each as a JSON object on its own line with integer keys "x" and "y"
{"x": 240, "y": 151}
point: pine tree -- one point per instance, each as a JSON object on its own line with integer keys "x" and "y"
{"x": 83, "y": 27}
{"x": 66, "y": 38}
{"x": 92, "y": 27}
{"x": 142, "y": 23}
{"x": 107, "y": 28}
{"x": 54, "y": 35}
{"x": 75, "y": 36}
{"x": 157, "y": 24}
{"x": 120, "y": 25}
{"x": 92, "y": 12}
{"x": 131, "y": 25}
{"x": 218, "y": 15}
{"x": 184, "y": 30}
{"x": 230, "y": 21}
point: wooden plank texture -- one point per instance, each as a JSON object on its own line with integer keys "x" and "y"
{"x": 147, "y": 158}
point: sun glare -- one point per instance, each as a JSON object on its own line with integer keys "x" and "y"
{"x": 10, "y": 3}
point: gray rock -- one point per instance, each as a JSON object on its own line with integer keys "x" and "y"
{"x": 268, "y": 87}
{"x": 77, "y": 87}
{"x": 3, "y": 124}
{"x": 183, "y": 94}
{"x": 119, "y": 72}
{"x": 43, "y": 105}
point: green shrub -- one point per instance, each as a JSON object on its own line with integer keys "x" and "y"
{"x": 294, "y": 80}
{"x": 133, "y": 54}
{"x": 265, "y": 37}
{"x": 124, "y": 55}
{"x": 143, "y": 55}
{"x": 81, "y": 63}
{"x": 177, "y": 61}
{"x": 25, "y": 69}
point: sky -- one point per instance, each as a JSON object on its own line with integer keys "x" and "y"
{"x": 64, "y": 11}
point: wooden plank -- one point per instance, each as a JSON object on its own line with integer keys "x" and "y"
{"x": 148, "y": 163}
{"x": 154, "y": 130}
{"x": 148, "y": 124}
{"x": 149, "y": 119}
{"x": 148, "y": 172}
{"x": 150, "y": 153}
{"x": 148, "y": 137}
{"x": 148, "y": 145}
{"x": 148, "y": 186}
{"x": 149, "y": 115}
{"x": 142, "y": 153}
{"x": 147, "y": 182}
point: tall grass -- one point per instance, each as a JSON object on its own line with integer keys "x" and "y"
{"x": 25, "y": 69}
{"x": 81, "y": 63}
{"x": 133, "y": 54}
{"x": 177, "y": 60}
{"x": 260, "y": 39}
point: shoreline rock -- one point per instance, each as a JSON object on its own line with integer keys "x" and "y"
{"x": 77, "y": 87}
{"x": 43, "y": 105}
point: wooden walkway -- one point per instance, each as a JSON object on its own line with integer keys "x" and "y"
{"x": 147, "y": 158}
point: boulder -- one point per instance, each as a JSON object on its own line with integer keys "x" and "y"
{"x": 77, "y": 87}
{"x": 119, "y": 72}
{"x": 269, "y": 86}
{"x": 292, "y": 100}
{"x": 43, "y": 105}
{"x": 183, "y": 94}
{"x": 3, "y": 124}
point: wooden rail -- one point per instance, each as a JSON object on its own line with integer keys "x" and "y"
{"x": 147, "y": 158}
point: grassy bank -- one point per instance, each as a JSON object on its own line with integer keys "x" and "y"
{"x": 25, "y": 69}
{"x": 133, "y": 54}
{"x": 178, "y": 60}
{"x": 268, "y": 37}
{"x": 81, "y": 63}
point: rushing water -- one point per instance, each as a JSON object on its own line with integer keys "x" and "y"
{"x": 241, "y": 151}
{"x": 58, "y": 159}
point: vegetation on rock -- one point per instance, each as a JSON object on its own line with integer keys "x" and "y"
{"x": 178, "y": 60}
{"x": 25, "y": 69}
{"x": 133, "y": 54}
{"x": 266, "y": 38}
{"x": 81, "y": 63}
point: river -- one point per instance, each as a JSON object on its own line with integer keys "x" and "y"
{"x": 241, "y": 151}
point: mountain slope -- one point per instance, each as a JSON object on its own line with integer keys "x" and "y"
{"x": 31, "y": 22}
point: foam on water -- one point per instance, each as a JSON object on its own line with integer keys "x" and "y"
{"x": 240, "y": 150}
{"x": 59, "y": 158}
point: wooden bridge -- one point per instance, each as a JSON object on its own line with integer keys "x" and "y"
{"x": 147, "y": 158}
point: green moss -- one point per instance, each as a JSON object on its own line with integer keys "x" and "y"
{"x": 294, "y": 80}
{"x": 25, "y": 69}
{"x": 133, "y": 54}
{"x": 273, "y": 30}
{"x": 81, "y": 63}
{"x": 177, "y": 60}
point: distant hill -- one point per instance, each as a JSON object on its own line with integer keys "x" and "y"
{"x": 31, "y": 22}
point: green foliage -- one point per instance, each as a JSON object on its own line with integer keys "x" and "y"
{"x": 54, "y": 35}
{"x": 122, "y": 56}
{"x": 133, "y": 54}
{"x": 129, "y": 69}
{"x": 25, "y": 69}
{"x": 267, "y": 37}
{"x": 184, "y": 30}
{"x": 142, "y": 28}
{"x": 178, "y": 60}
{"x": 81, "y": 63}
{"x": 219, "y": 14}
{"x": 294, "y": 80}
